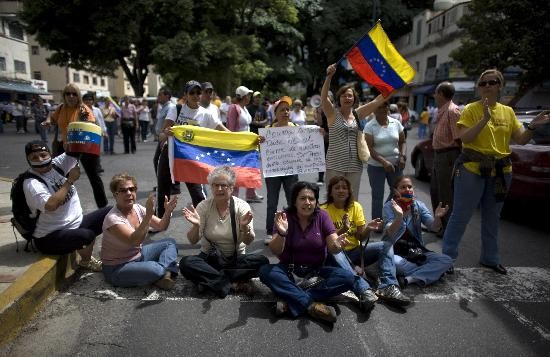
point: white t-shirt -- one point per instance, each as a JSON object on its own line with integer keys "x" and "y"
{"x": 223, "y": 112}
{"x": 143, "y": 113}
{"x": 66, "y": 216}
{"x": 165, "y": 111}
{"x": 386, "y": 140}
{"x": 298, "y": 118}
{"x": 200, "y": 117}
{"x": 213, "y": 108}
{"x": 244, "y": 119}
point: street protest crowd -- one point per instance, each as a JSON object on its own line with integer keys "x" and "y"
{"x": 323, "y": 245}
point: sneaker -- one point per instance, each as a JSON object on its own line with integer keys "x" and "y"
{"x": 367, "y": 300}
{"x": 392, "y": 295}
{"x": 268, "y": 239}
{"x": 166, "y": 282}
{"x": 255, "y": 199}
{"x": 322, "y": 312}
{"x": 281, "y": 308}
{"x": 93, "y": 264}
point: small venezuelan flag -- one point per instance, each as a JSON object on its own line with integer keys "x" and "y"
{"x": 195, "y": 151}
{"x": 376, "y": 61}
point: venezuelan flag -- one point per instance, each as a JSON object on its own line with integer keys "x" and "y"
{"x": 376, "y": 61}
{"x": 195, "y": 151}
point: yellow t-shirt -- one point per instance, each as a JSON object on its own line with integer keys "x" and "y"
{"x": 356, "y": 219}
{"x": 494, "y": 138}
{"x": 425, "y": 117}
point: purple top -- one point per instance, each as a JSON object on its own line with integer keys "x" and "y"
{"x": 308, "y": 247}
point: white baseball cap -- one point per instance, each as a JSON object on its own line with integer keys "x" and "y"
{"x": 242, "y": 91}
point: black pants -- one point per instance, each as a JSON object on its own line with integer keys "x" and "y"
{"x": 204, "y": 269}
{"x": 156, "y": 157}
{"x": 164, "y": 184}
{"x": 91, "y": 163}
{"x": 128, "y": 136}
{"x": 65, "y": 241}
{"x": 143, "y": 125}
{"x": 21, "y": 123}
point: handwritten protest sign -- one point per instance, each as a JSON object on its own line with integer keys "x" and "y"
{"x": 292, "y": 150}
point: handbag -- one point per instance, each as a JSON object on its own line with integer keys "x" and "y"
{"x": 362, "y": 148}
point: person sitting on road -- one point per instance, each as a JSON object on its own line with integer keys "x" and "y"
{"x": 127, "y": 261}
{"x": 303, "y": 236}
{"x": 404, "y": 216}
{"x": 347, "y": 216}
{"x": 224, "y": 226}
{"x": 61, "y": 227}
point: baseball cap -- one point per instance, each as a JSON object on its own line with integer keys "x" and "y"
{"x": 256, "y": 93}
{"x": 393, "y": 107}
{"x": 34, "y": 146}
{"x": 242, "y": 91}
{"x": 192, "y": 84}
{"x": 285, "y": 99}
{"x": 207, "y": 85}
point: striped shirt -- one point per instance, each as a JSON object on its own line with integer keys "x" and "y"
{"x": 446, "y": 132}
{"x": 342, "y": 148}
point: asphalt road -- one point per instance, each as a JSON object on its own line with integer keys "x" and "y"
{"x": 473, "y": 312}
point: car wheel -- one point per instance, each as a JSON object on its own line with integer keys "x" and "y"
{"x": 420, "y": 171}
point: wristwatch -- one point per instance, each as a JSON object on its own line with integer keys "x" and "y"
{"x": 529, "y": 127}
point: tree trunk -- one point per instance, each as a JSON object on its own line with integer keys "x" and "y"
{"x": 135, "y": 77}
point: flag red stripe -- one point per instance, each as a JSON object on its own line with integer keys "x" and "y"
{"x": 365, "y": 71}
{"x": 197, "y": 172}
{"x": 88, "y": 148}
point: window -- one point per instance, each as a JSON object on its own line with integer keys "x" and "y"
{"x": 2, "y": 63}
{"x": 86, "y": 79}
{"x": 103, "y": 82}
{"x": 37, "y": 75}
{"x": 418, "y": 32}
{"x": 16, "y": 30}
{"x": 94, "y": 81}
{"x": 431, "y": 62}
{"x": 76, "y": 77}
{"x": 35, "y": 50}
{"x": 20, "y": 66}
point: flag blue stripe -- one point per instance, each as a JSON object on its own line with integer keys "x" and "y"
{"x": 80, "y": 136}
{"x": 378, "y": 63}
{"x": 216, "y": 157}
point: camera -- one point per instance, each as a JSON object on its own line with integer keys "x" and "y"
{"x": 415, "y": 255}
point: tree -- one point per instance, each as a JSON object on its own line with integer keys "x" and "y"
{"x": 100, "y": 36}
{"x": 500, "y": 34}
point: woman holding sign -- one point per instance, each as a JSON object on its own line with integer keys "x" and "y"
{"x": 342, "y": 118}
{"x": 281, "y": 108}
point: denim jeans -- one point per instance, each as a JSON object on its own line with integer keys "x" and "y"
{"x": 109, "y": 145}
{"x": 273, "y": 185}
{"x": 276, "y": 277}
{"x": 422, "y": 130}
{"x": 156, "y": 258}
{"x": 426, "y": 273}
{"x": 377, "y": 176}
{"x": 470, "y": 191}
{"x": 381, "y": 252}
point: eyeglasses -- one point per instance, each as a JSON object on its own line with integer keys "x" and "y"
{"x": 132, "y": 189}
{"x": 71, "y": 94}
{"x": 195, "y": 92}
{"x": 491, "y": 82}
{"x": 223, "y": 186}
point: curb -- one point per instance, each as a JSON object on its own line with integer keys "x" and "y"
{"x": 24, "y": 298}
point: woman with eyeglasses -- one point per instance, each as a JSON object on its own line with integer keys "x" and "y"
{"x": 483, "y": 170}
{"x": 224, "y": 226}
{"x": 72, "y": 109}
{"x": 127, "y": 261}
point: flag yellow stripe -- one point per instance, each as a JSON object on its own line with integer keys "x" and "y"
{"x": 241, "y": 141}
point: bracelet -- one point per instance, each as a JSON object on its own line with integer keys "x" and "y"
{"x": 529, "y": 127}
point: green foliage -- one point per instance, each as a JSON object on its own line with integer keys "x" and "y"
{"x": 501, "y": 34}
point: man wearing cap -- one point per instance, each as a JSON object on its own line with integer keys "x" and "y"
{"x": 257, "y": 112}
{"x": 206, "y": 99}
{"x": 191, "y": 113}
{"x": 447, "y": 145}
{"x": 61, "y": 227}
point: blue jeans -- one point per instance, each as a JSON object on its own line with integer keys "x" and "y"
{"x": 377, "y": 176}
{"x": 108, "y": 145}
{"x": 428, "y": 272}
{"x": 156, "y": 258}
{"x": 470, "y": 191}
{"x": 273, "y": 186}
{"x": 422, "y": 130}
{"x": 335, "y": 281}
{"x": 381, "y": 252}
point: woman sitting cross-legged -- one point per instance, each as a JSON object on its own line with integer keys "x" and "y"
{"x": 303, "y": 237}
{"x": 127, "y": 261}
{"x": 224, "y": 226}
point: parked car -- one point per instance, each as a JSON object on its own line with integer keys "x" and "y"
{"x": 530, "y": 168}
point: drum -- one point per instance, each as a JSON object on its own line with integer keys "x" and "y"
{"x": 83, "y": 138}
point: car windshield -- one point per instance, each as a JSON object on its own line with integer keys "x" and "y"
{"x": 541, "y": 136}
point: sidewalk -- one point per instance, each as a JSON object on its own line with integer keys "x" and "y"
{"x": 27, "y": 279}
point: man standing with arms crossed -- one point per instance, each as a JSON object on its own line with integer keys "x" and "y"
{"x": 447, "y": 146}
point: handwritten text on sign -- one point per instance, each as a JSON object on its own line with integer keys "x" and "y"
{"x": 292, "y": 150}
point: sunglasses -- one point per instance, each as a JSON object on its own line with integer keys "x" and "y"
{"x": 71, "y": 94}
{"x": 132, "y": 189}
{"x": 491, "y": 82}
{"x": 195, "y": 92}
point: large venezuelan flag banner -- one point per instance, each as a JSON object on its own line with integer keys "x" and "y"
{"x": 376, "y": 61}
{"x": 195, "y": 151}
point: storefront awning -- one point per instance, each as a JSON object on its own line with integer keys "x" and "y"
{"x": 464, "y": 86}
{"x": 426, "y": 89}
{"x": 19, "y": 87}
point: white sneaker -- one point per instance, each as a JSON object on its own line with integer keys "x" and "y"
{"x": 93, "y": 264}
{"x": 268, "y": 239}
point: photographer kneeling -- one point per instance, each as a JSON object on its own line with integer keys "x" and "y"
{"x": 403, "y": 219}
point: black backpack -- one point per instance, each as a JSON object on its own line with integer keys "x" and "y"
{"x": 22, "y": 219}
